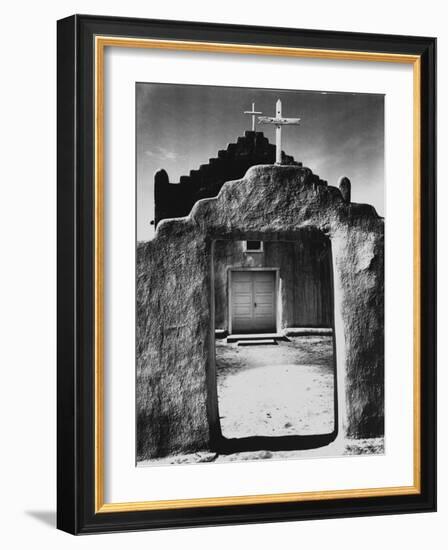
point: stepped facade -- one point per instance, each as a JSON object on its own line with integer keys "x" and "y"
{"x": 175, "y": 200}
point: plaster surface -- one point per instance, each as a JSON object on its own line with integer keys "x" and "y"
{"x": 176, "y": 376}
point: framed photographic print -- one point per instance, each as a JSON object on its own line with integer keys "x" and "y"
{"x": 246, "y": 274}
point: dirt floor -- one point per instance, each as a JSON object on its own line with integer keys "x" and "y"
{"x": 276, "y": 390}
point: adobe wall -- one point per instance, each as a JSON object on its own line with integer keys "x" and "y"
{"x": 176, "y": 384}
{"x": 305, "y": 278}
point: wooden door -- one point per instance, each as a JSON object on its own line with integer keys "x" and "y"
{"x": 253, "y": 301}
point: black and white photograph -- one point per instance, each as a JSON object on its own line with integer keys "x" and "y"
{"x": 259, "y": 274}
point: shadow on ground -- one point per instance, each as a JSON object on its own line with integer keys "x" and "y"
{"x": 47, "y": 517}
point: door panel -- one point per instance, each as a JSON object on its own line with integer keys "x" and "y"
{"x": 253, "y": 301}
{"x": 242, "y": 298}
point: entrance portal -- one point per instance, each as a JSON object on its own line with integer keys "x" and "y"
{"x": 311, "y": 234}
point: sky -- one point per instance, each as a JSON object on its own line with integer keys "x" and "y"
{"x": 179, "y": 127}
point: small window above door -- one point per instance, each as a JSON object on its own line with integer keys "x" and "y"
{"x": 253, "y": 246}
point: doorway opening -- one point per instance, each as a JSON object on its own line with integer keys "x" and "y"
{"x": 275, "y": 355}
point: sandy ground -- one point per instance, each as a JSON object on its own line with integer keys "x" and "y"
{"x": 271, "y": 390}
{"x": 276, "y": 390}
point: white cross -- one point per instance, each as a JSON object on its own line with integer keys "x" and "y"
{"x": 253, "y": 113}
{"x": 279, "y": 122}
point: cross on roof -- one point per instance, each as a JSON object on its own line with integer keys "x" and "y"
{"x": 279, "y": 121}
{"x": 253, "y": 113}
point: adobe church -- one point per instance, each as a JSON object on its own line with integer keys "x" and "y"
{"x": 254, "y": 243}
